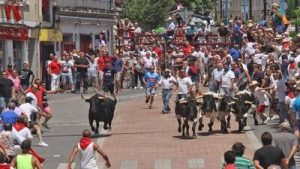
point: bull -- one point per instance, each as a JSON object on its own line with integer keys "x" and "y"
{"x": 209, "y": 105}
{"x": 101, "y": 110}
{"x": 223, "y": 111}
{"x": 186, "y": 109}
{"x": 243, "y": 104}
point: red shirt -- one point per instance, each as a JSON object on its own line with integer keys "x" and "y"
{"x": 102, "y": 60}
{"x": 55, "y": 67}
{"x": 230, "y": 166}
{"x": 158, "y": 51}
{"x": 39, "y": 95}
{"x": 4, "y": 166}
{"x": 187, "y": 50}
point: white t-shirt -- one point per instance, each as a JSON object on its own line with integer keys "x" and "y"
{"x": 183, "y": 85}
{"x": 226, "y": 79}
{"x": 261, "y": 96}
{"x": 249, "y": 51}
{"x": 28, "y": 109}
{"x": 258, "y": 58}
{"x": 217, "y": 74}
{"x": 34, "y": 99}
{"x": 67, "y": 66}
{"x": 21, "y": 135}
{"x": 167, "y": 83}
{"x": 148, "y": 62}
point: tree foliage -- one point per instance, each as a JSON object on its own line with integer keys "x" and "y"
{"x": 148, "y": 13}
{"x": 296, "y": 19}
{"x": 199, "y": 6}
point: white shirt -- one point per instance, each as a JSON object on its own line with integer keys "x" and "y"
{"x": 297, "y": 60}
{"x": 92, "y": 70}
{"x": 148, "y": 62}
{"x": 258, "y": 58}
{"x": 172, "y": 26}
{"x": 217, "y": 74}
{"x": 34, "y": 99}
{"x": 167, "y": 83}
{"x": 261, "y": 96}
{"x": 183, "y": 85}
{"x": 28, "y": 109}
{"x": 249, "y": 51}
{"x": 21, "y": 135}
{"x": 67, "y": 66}
{"x": 226, "y": 79}
{"x": 88, "y": 157}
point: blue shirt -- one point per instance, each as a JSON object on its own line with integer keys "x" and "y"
{"x": 9, "y": 117}
{"x": 296, "y": 107}
{"x": 118, "y": 65}
{"x": 151, "y": 79}
{"x": 235, "y": 54}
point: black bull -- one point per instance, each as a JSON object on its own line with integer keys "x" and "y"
{"x": 101, "y": 110}
{"x": 186, "y": 109}
{"x": 242, "y": 105}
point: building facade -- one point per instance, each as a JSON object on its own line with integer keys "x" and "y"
{"x": 19, "y": 27}
{"x": 241, "y": 8}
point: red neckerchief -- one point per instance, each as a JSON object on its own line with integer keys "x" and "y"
{"x": 292, "y": 65}
{"x": 291, "y": 95}
{"x": 85, "y": 142}
{"x": 19, "y": 126}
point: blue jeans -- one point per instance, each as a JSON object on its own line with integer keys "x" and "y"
{"x": 166, "y": 95}
{"x": 282, "y": 112}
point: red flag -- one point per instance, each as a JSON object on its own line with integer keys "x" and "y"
{"x": 17, "y": 12}
{"x": 7, "y": 9}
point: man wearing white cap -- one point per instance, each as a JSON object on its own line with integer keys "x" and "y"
{"x": 167, "y": 82}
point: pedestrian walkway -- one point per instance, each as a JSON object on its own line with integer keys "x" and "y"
{"x": 144, "y": 138}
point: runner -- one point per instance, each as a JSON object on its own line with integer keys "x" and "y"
{"x": 151, "y": 80}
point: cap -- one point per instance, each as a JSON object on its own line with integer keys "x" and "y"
{"x": 285, "y": 125}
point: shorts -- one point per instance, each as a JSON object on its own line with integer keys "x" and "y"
{"x": 109, "y": 88}
{"x": 118, "y": 76}
{"x": 260, "y": 109}
{"x": 150, "y": 91}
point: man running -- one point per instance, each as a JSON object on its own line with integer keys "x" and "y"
{"x": 87, "y": 149}
{"x": 151, "y": 80}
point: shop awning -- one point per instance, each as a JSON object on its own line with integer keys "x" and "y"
{"x": 51, "y": 35}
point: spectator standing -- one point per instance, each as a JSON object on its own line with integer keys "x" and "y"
{"x": 67, "y": 76}
{"x": 138, "y": 73}
{"x": 229, "y": 157}
{"x": 287, "y": 142}
{"x": 87, "y": 149}
{"x": 268, "y": 155}
{"x": 6, "y": 90}
{"x": 223, "y": 32}
{"x": 54, "y": 69}
{"x": 16, "y": 81}
{"x": 25, "y": 160}
{"x": 108, "y": 80}
{"x": 118, "y": 66}
{"x": 26, "y": 76}
{"x": 81, "y": 65}
{"x": 227, "y": 81}
{"x": 92, "y": 73}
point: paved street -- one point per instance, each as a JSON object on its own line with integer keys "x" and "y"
{"x": 140, "y": 138}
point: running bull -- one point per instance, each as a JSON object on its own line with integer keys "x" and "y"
{"x": 101, "y": 110}
{"x": 209, "y": 107}
{"x": 186, "y": 109}
{"x": 242, "y": 105}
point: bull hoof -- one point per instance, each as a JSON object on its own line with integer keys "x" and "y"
{"x": 200, "y": 127}
{"x": 210, "y": 130}
{"x": 183, "y": 135}
{"x": 179, "y": 129}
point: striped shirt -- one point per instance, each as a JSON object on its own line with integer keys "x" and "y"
{"x": 242, "y": 163}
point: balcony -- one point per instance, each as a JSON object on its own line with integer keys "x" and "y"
{"x": 92, "y": 4}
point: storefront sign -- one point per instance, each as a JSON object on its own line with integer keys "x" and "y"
{"x": 51, "y": 35}
{"x": 13, "y": 33}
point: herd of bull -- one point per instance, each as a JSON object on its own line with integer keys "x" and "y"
{"x": 188, "y": 110}
{"x": 214, "y": 106}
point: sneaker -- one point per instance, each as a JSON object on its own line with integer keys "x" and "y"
{"x": 266, "y": 121}
{"x": 275, "y": 117}
{"x": 43, "y": 144}
{"x": 45, "y": 125}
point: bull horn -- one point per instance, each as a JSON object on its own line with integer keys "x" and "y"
{"x": 101, "y": 97}
{"x": 231, "y": 103}
{"x": 84, "y": 98}
{"x": 248, "y": 102}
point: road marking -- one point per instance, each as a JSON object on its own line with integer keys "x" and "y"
{"x": 196, "y": 163}
{"x": 162, "y": 164}
{"x": 64, "y": 165}
{"x": 255, "y": 142}
{"x": 129, "y": 164}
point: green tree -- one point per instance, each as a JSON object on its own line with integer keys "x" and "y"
{"x": 199, "y": 6}
{"x": 148, "y": 13}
